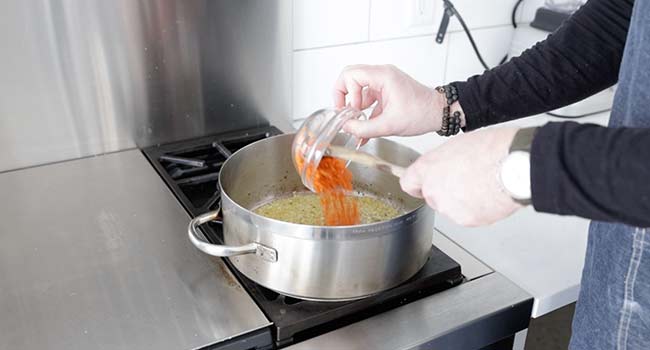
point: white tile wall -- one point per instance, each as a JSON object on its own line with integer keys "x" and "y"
{"x": 493, "y": 43}
{"x": 397, "y": 18}
{"x": 315, "y": 71}
{"x": 483, "y": 13}
{"x": 328, "y": 35}
{"x": 394, "y": 19}
{"x": 318, "y": 23}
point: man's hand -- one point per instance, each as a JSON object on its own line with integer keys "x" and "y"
{"x": 404, "y": 106}
{"x": 460, "y": 179}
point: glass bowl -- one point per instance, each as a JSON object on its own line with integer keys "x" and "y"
{"x": 320, "y": 130}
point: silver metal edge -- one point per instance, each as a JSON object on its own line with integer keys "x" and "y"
{"x": 470, "y": 316}
{"x": 471, "y": 266}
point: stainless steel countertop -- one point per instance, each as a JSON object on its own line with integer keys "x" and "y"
{"x": 482, "y": 310}
{"x": 94, "y": 255}
{"x": 470, "y": 316}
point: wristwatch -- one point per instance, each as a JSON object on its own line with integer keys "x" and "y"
{"x": 515, "y": 168}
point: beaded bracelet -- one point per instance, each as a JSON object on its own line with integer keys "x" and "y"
{"x": 450, "y": 122}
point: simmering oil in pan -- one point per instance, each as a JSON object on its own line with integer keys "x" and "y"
{"x": 305, "y": 208}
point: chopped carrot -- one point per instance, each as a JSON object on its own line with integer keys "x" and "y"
{"x": 332, "y": 181}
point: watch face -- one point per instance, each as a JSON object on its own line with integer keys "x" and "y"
{"x": 515, "y": 175}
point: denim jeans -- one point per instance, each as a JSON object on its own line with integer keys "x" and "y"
{"x": 613, "y": 309}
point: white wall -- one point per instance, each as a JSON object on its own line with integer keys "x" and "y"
{"x": 328, "y": 35}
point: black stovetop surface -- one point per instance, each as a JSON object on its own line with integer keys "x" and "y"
{"x": 190, "y": 169}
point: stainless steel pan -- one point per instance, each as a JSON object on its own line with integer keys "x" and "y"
{"x": 316, "y": 262}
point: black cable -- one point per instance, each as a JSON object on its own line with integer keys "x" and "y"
{"x": 514, "y": 13}
{"x": 513, "y": 19}
{"x": 451, "y": 7}
{"x": 577, "y": 116}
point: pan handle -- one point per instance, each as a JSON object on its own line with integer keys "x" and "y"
{"x": 266, "y": 253}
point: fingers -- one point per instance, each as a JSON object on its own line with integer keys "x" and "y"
{"x": 354, "y": 94}
{"x": 370, "y": 128}
{"x": 377, "y": 111}
{"x": 411, "y": 182}
{"x": 368, "y": 97}
{"x": 352, "y": 81}
{"x": 339, "y": 98}
{"x": 366, "y": 129}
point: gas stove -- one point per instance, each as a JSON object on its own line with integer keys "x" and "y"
{"x": 191, "y": 168}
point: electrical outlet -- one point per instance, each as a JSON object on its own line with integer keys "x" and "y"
{"x": 423, "y": 12}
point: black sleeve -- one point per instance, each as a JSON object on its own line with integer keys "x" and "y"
{"x": 594, "y": 172}
{"x": 580, "y": 59}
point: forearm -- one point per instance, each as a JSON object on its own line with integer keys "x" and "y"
{"x": 581, "y": 58}
{"x": 593, "y": 172}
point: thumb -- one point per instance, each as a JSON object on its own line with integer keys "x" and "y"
{"x": 411, "y": 182}
{"x": 365, "y": 128}
{"x": 374, "y": 126}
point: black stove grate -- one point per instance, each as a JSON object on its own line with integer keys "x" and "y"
{"x": 192, "y": 174}
{"x": 295, "y": 320}
{"x": 191, "y": 168}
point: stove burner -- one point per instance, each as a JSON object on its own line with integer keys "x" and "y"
{"x": 296, "y": 320}
{"x": 191, "y": 170}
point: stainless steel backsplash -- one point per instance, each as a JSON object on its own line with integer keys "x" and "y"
{"x": 85, "y": 77}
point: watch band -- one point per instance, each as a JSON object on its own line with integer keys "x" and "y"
{"x": 523, "y": 141}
